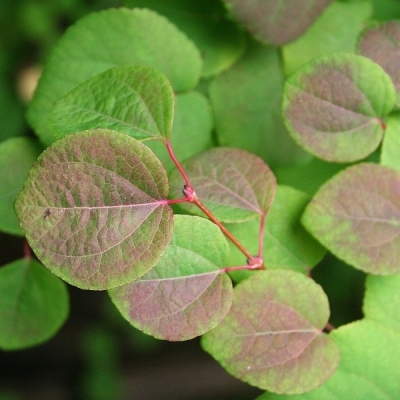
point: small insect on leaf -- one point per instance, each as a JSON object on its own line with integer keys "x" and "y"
{"x": 47, "y": 213}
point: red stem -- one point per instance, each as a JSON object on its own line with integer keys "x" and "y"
{"x": 27, "y": 250}
{"x": 177, "y": 163}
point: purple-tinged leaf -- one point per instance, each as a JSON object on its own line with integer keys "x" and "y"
{"x": 276, "y": 21}
{"x": 234, "y": 184}
{"x": 335, "y": 102}
{"x": 381, "y": 43}
{"x": 272, "y": 336}
{"x": 356, "y": 215}
{"x": 184, "y": 295}
{"x": 93, "y": 209}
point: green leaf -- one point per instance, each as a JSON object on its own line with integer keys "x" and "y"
{"x": 391, "y": 143}
{"x": 16, "y": 158}
{"x": 233, "y": 184}
{"x": 94, "y": 211}
{"x": 356, "y": 215}
{"x": 104, "y": 40}
{"x": 219, "y": 40}
{"x": 276, "y": 21}
{"x": 381, "y": 43}
{"x": 386, "y": 9}
{"x": 33, "y": 304}
{"x": 191, "y": 132}
{"x": 287, "y": 244}
{"x": 368, "y": 366}
{"x": 337, "y": 29}
{"x": 251, "y": 91}
{"x": 382, "y": 300}
{"x": 271, "y": 337}
{"x": 335, "y": 101}
{"x": 136, "y": 100}
{"x": 184, "y": 295}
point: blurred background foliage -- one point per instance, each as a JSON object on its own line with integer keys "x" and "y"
{"x": 97, "y": 355}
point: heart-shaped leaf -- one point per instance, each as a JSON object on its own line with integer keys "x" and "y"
{"x": 136, "y": 100}
{"x": 381, "y": 43}
{"x": 336, "y": 101}
{"x": 234, "y": 184}
{"x": 286, "y": 243}
{"x": 108, "y": 38}
{"x": 356, "y": 215}
{"x": 93, "y": 209}
{"x": 16, "y": 158}
{"x": 276, "y": 21}
{"x": 33, "y": 304}
{"x": 272, "y": 336}
{"x": 184, "y": 295}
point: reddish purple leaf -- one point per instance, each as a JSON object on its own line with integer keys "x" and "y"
{"x": 184, "y": 295}
{"x": 234, "y": 184}
{"x": 356, "y": 215}
{"x": 277, "y": 21}
{"x": 272, "y": 336}
{"x": 93, "y": 209}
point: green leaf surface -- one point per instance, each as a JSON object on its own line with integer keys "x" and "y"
{"x": 356, "y": 215}
{"x": 16, "y": 158}
{"x": 391, "y": 143}
{"x": 33, "y": 304}
{"x": 233, "y": 184}
{"x": 337, "y": 29}
{"x": 368, "y": 368}
{"x": 286, "y": 244}
{"x": 271, "y": 337}
{"x": 276, "y": 21}
{"x": 104, "y": 40}
{"x": 93, "y": 209}
{"x": 336, "y": 101}
{"x": 386, "y": 9}
{"x": 382, "y": 300}
{"x": 381, "y": 43}
{"x": 184, "y": 295}
{"x": 219, "y": 40}
{"x": 191, "y": 131}
{"x": 247, "y": 102}
{"x": 136, "y": 100}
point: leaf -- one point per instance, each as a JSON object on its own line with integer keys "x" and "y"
{"x": 286, "y": 243}
{"x": 184, "y": 295}
{"x": 108, "y": 38}
{"x": 335, "y": 101}
{"x": 391, "y": 143}
{"x": 271, "y": 337}
{"x": 136, "y": 100}
{"x": 382, "y": 300}
{"x": 16, "y": 158}
{"x": 191, "y": 132}
{"x": 276, "y": 21}
{"x": 33, "y": 304}
{"x": 234, "y": 184}
{"x": 368, "y": 366}
{"x": 356, "y": 215}
{"x": 328, "y": 34}
{"x": 381, "y": 43}
{"x": 94, "y": 211}
{"x": 251, "y": 91}
{"x": 219, "y": 40}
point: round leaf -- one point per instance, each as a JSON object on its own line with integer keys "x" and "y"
{"x": 335, "y": 101}
{"x": 356, "y": 215}
{"x": 104, "y": 40}
{"x": 16, "y": 158}
{"x": 276, "y": 21}
{"x": 271, "y": 337}
{"x": 381, "y": 43}
{"x": 184, "y": 295}
{"x": 94, "y": 211}
{"x": 233, "y": 184}
{"x": 135, "y": 100}
{"x": 33, "y": 304}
